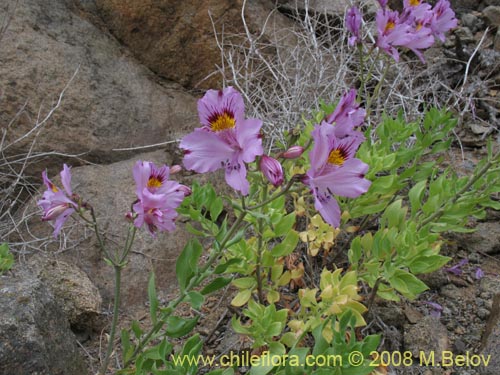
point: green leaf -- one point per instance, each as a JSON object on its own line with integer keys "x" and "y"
{"x": 216, "y": 208}
{"x": 187, "y": 263}
{"x": 196, "y": 299}
{"x": 407, "y": 284}
{"x": 415, "y": 196}
{"x": 287, "y": 246}
{"x": 426, "y": 264}
{"x": 178, "y": 327}
{"x": 215, "y": 284}
{"x": 153, "y": 299}
{"x": 6, "y": 258}
{"x": 285, "y": 225}
{"x": 136, "y": 328}
{"x": 241, "y": 297}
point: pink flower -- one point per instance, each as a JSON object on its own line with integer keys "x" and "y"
{"x": 347, "y": 115}
{"x": 293, "y": 152}
{"x": 272, "y": 170}
{"x": 353, "y": 24}
{"x": 392, "y": 32}
{"x": 157, "y": 212}
{"x": 158, "y": 197}
{"x": 443, "y": 19}
{"x": 335, "y": 171}
{"x": 149, "y": 177}
{"x": 226, "y": 139}
{"x": 57, "y": 205}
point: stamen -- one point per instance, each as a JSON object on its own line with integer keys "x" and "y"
{"x": 389, "y": 26}
{"x": 154, "y": 182}
{"x": 222, "y": 121}
{"x": 414, "y": 3}
{"x": 337, "y": 157}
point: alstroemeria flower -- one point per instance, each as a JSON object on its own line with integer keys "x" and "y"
{"x": 347, "y": 115}
{"x": 272, "y": 170}
{"x": 334, "y": 171}
{"x": 149, "y": 177}
{"x": 158, "y": 197}
{"x": 156, "y": 211}
{"x": 353, "y": 24}
{"x": 443, "y": 19}
{"x": 57, "y": 204}
{"x": 293, "y": 152}
{"x": 392, "y": 32}
{"x": 226, "y": 139}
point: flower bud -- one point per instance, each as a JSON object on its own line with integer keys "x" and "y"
{"x": 272, "y": 170}
{"x": 293, "y": 152}
{"x": 175, "y": 169}
{"x": 186, "y": 190}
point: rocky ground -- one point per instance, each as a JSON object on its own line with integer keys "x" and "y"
{"x": 129, "y": 91}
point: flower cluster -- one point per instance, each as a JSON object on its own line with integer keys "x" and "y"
{"x": 334, "y": 168}
{"x": 415, "y": 28}
{"x": 157, "y": 197}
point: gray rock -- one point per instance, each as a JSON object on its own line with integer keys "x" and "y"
{"x": 427, "y": 336}
{"x": 486, "y": 238}
{"x": 35, "y": 337}
{"x": 491, "y": 339}
{"x": 492, "y": 2}
{"x": 113, "y": 102}
{"x": 496, "y": 41}
{"x": 175, "y": 38}
{"x": 76, "y": 294}
{"x": 492, "y": 14}
{"x": 470, "y": 21}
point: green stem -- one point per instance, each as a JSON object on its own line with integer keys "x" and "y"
{"x": 275, "y": 196}
{"x": 114, "y": 323}
{"x": 438, "y": 213}
{"x": 195, "y": 281}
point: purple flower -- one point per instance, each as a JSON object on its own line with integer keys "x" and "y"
{"x": 392, "y": 32}
{"x": 347, "y": 115}
{"x": 158, "y": 197}
{"x": 479, "y": 273}
{"x": 149, "y": 177}
{"x": 353, "y": 24}
{"x": 335, "y": 171}
{"x": 272, "y": 170}
{"x": 57, "y": 205}
{"x": 436, "y": 308}
{"x": 156, "y": 211}
{"x": 226, "y": 139}
{"x": 443, "y": 19}
{"x": 293, "y": 152}
{"x": 457, "y": 268}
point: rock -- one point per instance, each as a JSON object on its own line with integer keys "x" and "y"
{"x": 35, "y": 337}
{"x": 427, "y": 336}
{"x": 492, "y": 14}
{"x": 490, "y": 340}
{"x": 486, "y": 238}
{"x": 110, "y": 189}
{"x": 492, "y": 2}
{"x": 470, "y": 21}
{"x": 175, "y": 38}
{"x": 112, "y": 102}
{"x": 78, "y": 297}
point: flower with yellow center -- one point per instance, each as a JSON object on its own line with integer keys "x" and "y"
{"x": 223, "y": 121}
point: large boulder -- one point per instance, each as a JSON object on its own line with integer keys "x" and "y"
{"x": 35, "y": 336}
{"x": 111, "y": 102}
{"x": 175, "y": 38}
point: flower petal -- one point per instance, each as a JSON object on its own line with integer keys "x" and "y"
{"x": 249, "y": 139}
{"x": 346, "y": 181}
{"x": 236, "y": 177}
{"x": 219, "y": 101}
{"x": 66, "y": 179}
{"x": 205, "y": 151}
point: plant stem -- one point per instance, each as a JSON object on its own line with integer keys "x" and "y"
{"x": 438, "y": 213}
{"x": 114, "y": 323}
{"x": 195, "y": 281}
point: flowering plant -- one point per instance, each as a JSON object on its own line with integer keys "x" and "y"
{"x": 340, "y": 188}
